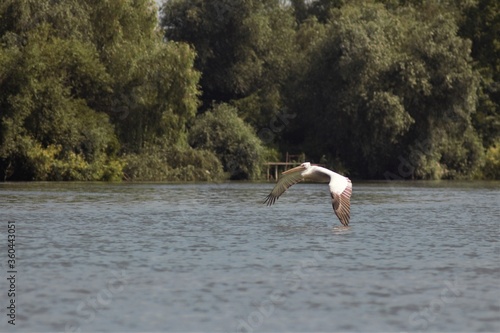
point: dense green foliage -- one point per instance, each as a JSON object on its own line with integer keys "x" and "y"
{"x": 87, "y": 85}
{"x": 481, "y": 24}
{"x": 382, "y": 89}
{"x": 158, "y": 163}
{"x": 245, "y": 50}
{"x": 48, "y": 130}
{"x": 388, "y": 89}
{"x": 380, "y": 84}
{"x": 221, "y": 130}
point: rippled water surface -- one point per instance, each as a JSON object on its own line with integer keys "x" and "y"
{"x": 211, "y": 257}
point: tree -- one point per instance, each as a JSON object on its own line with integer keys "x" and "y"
{"x": 244, "y": 50}
{"x": 481, "y": 24}
{"x": 44, "y": 113}
{"x": 234, "y": 142}
{"x": 382, "y": 82}
{"x": 155, "y": 88}
{"x": 84, "y": 81}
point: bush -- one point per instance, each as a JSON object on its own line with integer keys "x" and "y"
{"x": 32, "y": 161}
{"x": 234, "y": 142}
{"x": 156, "y": 163}
{"x": 491, "y": 168}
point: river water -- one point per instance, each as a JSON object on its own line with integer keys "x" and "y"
{"x": 101, "y": 257}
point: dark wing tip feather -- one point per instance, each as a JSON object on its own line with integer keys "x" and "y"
{"x": 342, "y": 205}
{"x": 270, "y": 200}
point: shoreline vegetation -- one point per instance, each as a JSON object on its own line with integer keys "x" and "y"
{"x": 211, "y": 90}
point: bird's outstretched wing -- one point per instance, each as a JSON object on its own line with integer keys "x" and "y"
{"x": 283, "y": 184}
{"x": 342, "y": 203}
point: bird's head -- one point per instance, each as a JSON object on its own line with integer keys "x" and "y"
{"x": 302, "y": 167}
{"x": 306, "y": 165}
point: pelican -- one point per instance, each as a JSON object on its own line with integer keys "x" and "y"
{"x": 340, "y": 187}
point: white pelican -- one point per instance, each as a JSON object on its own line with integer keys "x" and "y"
{"x": 340, "y": 187}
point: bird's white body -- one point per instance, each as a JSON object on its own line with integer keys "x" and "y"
{"x": 337, "y": 182}
{"x": 340, "y": 187}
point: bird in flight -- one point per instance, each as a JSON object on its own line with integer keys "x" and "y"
{"x": 340, "y": 187}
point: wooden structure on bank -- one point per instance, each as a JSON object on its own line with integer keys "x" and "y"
{"x": 290, "y": 161}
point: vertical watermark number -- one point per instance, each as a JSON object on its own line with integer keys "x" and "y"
{"x": 11, "y": 272}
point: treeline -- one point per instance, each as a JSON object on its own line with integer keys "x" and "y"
{"x": 103, "y": 90}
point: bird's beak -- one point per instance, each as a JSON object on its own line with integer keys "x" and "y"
{"x": 299, "y": 168}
